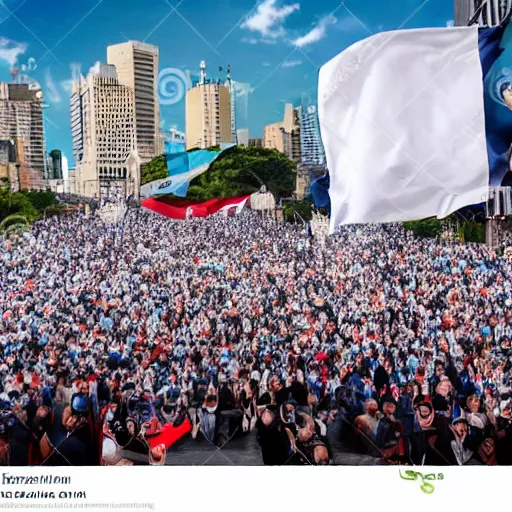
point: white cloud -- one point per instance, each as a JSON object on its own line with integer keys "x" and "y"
{"x": 67, "y": 86}
{"x": 51, "y": 91}
{"x": 242, "y": 89}
{"x": 76, "y": 70}
{"x": 96, "y": 68}
{"x": 450, "y": 23}
{"x": 291, "y": 63}
{"x": 316, "y": 33}
{"x": 10, "y": 50}
{"x": 267, "y": 65}
{"x": 269, "y": 18}
{"x": 253, "y": 40}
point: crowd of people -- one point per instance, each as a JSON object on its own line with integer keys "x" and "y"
{"x": 132, "y": 337}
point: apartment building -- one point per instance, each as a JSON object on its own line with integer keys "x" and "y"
{"x": 22, "y": 130}
{"x": 104, "y": 135}
{"x": 137, "y": 67}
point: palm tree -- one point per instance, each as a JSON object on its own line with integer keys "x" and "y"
{"x": 13, "y": 224}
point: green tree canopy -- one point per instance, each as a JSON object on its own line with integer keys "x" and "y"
{"x": 41, "y": 199}
{"x": 16, "y": 203}
{"x": 427, "y": 228}
{"x": 241, "y": 170}
{"x": 471, "y": 231}
{"x": 28, "y": 204}
{"x": 304, "y": 210}
{"x": 154, "y": 170}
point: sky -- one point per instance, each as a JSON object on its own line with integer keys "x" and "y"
{"x": 274, "y": 47}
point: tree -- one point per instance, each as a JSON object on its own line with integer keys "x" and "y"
{"x": 14, "y": 223}
{"x": 16, "y": 203}
{"x": 471, "y": 231}
{"x": 242, "y": 171}
{"x": 28, "y": 204}
{"x": 427, "y": 228}
{"x": 297, "y": 211}
{"x": 41, "y": 199}
{"x": 154, "y": 170}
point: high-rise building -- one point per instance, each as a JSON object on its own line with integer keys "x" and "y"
{"x": 273, "y": 137}
{"x": 137, "y": 67}
{"x": 57, "y": 172}
{"x": 291, "y": 126}
{"x": 492, "y": 13}
{"x": 208, "y": 114}
{"x": 306, "y": 174}
{"x": 257, "y": 143}
{"x": 242, "y": 137}
{"x": 312, "y": 149}
{"x": 8, "y": 170}
{"x": 285, "y": 136}
{"x": 54, "y": 165}
{"x": 103, "y": 130}
{"x": 21, "y": 125}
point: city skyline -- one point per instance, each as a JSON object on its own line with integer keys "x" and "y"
{"x": 274, "y": 47}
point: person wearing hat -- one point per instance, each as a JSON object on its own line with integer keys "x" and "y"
{"x": 459, "y": 429}
{"x": 70, "y": 443}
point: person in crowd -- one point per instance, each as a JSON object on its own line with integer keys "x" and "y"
{"x": 134, "y": 336}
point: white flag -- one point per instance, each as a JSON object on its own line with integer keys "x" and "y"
{"x": 402, "y": 121}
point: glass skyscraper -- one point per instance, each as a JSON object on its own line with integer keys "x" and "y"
{"x": 312, "y": 149}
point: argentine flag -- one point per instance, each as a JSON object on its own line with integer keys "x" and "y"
{"x": 415, "y": 123}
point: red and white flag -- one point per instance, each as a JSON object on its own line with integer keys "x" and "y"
{"x": 183, "y": 208}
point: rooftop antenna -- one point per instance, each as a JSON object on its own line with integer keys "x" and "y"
{"x": 232, "y": 93}
{"x": 202, "y": 67}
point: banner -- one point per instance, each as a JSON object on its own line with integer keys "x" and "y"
{"x": 175, "y": 184}
{"x": 184, "y": 209}
{"x": 183, "y": 167}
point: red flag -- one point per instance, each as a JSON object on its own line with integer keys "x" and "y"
{"x": 183, "y": 208}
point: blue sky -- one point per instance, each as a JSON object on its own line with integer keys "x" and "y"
{"x": 273, "y": 46}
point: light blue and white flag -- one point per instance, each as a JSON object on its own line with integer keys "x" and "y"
{"x": 182, "y": 168}
{"x": 416, "y": 123}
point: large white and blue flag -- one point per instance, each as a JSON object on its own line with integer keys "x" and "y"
{"x": 415, "y": 123}
{"x": 182, "y": 168}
